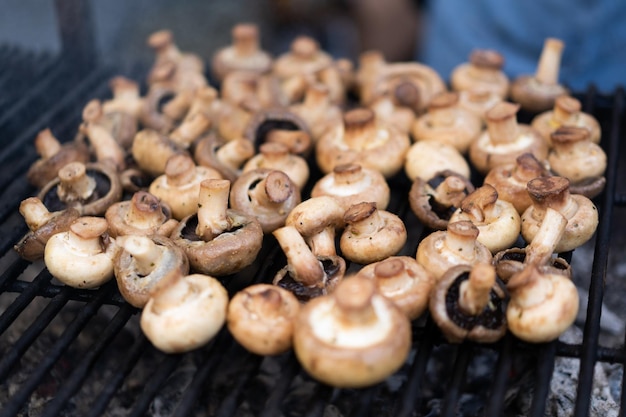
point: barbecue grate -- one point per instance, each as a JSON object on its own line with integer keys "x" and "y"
{"x": 66, "y": 351}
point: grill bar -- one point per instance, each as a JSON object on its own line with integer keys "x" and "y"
{"x": 455, "y": 387}
{"x": 23, "y": 300}
{"x": 499, "y": 386}
{"x": 541, "y": 388}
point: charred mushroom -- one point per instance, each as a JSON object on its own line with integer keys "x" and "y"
{"x": 469, "y": 303}
{"x": 185, "y": 314}
{"x": 268, "y": 195}
{"x": 245, "y": 53}
{"x": 371, "y": 235}
{"x": 542, "y": 306}
{"x": 218, "y": 241}
{"x": 143, "y": 215}
{"x": 145, "y": 263}
{"x": 352, "y": 338}
{"x": 42, "y": 224}
{"x": 434, "y": 201}
{"x": 483, "y": 72}
{"x": 575, "y": 157}
{"x": 537, "y": 93}
{"x": 566, "y": 112}
{"x": 261, "y": 318}
{"x": 497, "y": 220}
{"x": 457, "y": 245}
{"x": 403, "y": 281}
{"x": 425, "y": 159}
{"x": 91, "y": 188}
{"x": 306, "y": 275}
{"x": 505, "y": 140}
{"x": 275, "y": 155}
{"x": 580, "y": 212}
{"x": 81, "y": 257}
{"x": 227, "y": 157}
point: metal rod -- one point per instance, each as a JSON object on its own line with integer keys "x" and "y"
{"x": 455, "y": 387}
{"x": 545, "y": 368}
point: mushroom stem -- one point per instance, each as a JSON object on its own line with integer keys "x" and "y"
{"x": 126, "y": 97}
{"x": 35, "y": 213}
{"x": 551, "y": 192}
{"x": 354, "y": 299}
{"x": 85, "y": 234}
{"x": 527, "y": 168}
{"x": 461, "y": 239}
{"x": 565, "y": 109}
{"x": 360, "y": 128}
{"x": 180, "y": 169}
{"x": 474, "y": 293}
{"x": 303, "y": 264}
{"x": 550, "y": 62}
{"x": 272, "y": 190}
{"x": 393, "y": 271}
{"x": 529, "y": 287}
{"x": 163, "y": 44}
{"x": 544, "y": 243}
{"x": 348, "y": 174}
{"x": 440, "y": 109}
{"x": 296, "y": 140}
{"x": 317, "y": 96}
{"x": 46, "y": 144}
{"x": 364, "y": 219}
{"x": 107, "y": 149}
{"x": 212, "y": 206}
{"x": 450, "y": 192}
{"x": 144, "y": 211}
{"x": 274, "y": 153}
{"x": 502, "y": 123}
{"x": 191, "y": 128}
{"x": 245, "y": 39}
{"x": 74, "y": 183}
{"x": 145, "y": 252}
{"x": 235, "y": 152}
{"x": 323, "y": 243}
{"x": 481, "y": 204}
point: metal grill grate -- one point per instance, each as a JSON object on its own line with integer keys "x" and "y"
{"x": 65, "y": 351}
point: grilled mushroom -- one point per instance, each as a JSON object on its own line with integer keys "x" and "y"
{"x": 227, "y": 157}
{"x": 261, "y": 318}
{"x": 244, "y": 54}
{"x": 280, "y": 122}
{"x": 121, "y": 113}
{"x": 352, "y": 338}
{"x": 482, "y": 73}
{"x": 317, "y": 110}
{"x": 142, "y": 215}
{"x": 427, "y": 158}
{"x": 107, "y": 149}
{"x": 151, "y": 150}
{"x": 275, "y": 155}
{"x": 566, "y": 112}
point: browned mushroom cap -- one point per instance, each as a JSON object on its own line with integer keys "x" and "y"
{"x": 510, "y": 180}
{"x": 306, "y": 275}
{"x": 566, "y": 112}
{"x": 425, "y": 159}
{"x": 457, "y": 245}
{"x": 317, "y": 219}
{"x": 42, "y": 224}
{"x": 580, "y": 212}
{"x": 218, "y": 241}
{"x": 261, "y": 318}
{"x": 538, "y": 252}
{"x": 371, "y": 235}
{"x": 575, "y": 157}
{"x": 505, "y": 139}
{"x": 537, "y": 93}
{"x": 317, "y": 110}
{"x": 265, "y": 122}
{"x": 386, "y": 110}
{"x": 100, "y": 134}
{"x": 227, "y": 157}
{"x": 402, "y": 280}
{"x": 447, "y": 122}
{"x": 352, "y": 338}
{"x": 364, "y": 140}
{"x": 434, "y": 201}
{"x": 542, "y": 305}
{"x": 351, "y": 184}
{"x": 275, "y": 155}
{"x": 497, "y": 220}
{"x": 478, "y": 102}
{"x": 90, "y": 188}
{"x": 144, "y": 263}
{"x": 265, "y": 194}
{"x": 142, "y": 215}
{"x": 483, "y": 72}
{"x": 151, "y": 150}
{"x": 53, "y": 157}
{"x": 244, "y": 54}
{"x": 469, "y": 303}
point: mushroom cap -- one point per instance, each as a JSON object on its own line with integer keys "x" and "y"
{"x": 547, "y": 122}
{"x": 261, "y": 318}
{"x": 151, "y": 150}
{"x": 108, "y": 191}
{"x": 351, "y": 352}
{"x": 304, "y": 57}
{"x": 179, "y": 319}
{"x": 425, "y": 159}
{"x": 487, "y": 327}
{"x": 542, "y": 305}
{"x": 153, "y": 212}
{"x": 135, "y": 287}
{"x": 46, "y": 169}
{"x": 510, "y": 261}
{"x": 365, "y": 248}
{"x": 361, "y": 184}
{"x": 535, "y": 96}
{"x": 478, "y": 102}
{"x": 574, "y": 156}
{"x": 483, "y": 72}
{"x": 403, "y": 281}
{"x": 277, "y": 118}
{"x": 229, "y": 252}
{"x": 334, "y": 268}
{"x": 206, "y": 154}
{"x": 276, "y": 155}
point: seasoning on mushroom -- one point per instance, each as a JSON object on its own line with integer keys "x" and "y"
{"x": 306, "y": 275}
{"x": 425, "y": 159}
{"x": 537, "y": 93}
{"x": 403, "y": 281}
{"x": 482, "y": 73}
{"x": 497, "y": 220}
{"x": 352, "y": 338}
{"x": 542, "y": 305}
{"x": 184, "y": 314}
{"x": 351, "y": 184}
{"x": 144, "y": 214}
{"x": 145, "y": 262}
{"x": 457, "y": 245}
{"x": 505, "y": 139}
{"x": 217, "y": 240}
{"x": 371, "y": 235}
{"x": 566, "y": 112}
{"x": 261, "y": 317}
{"x": 580, "y": 212}
{"x": 81, "y": 257}
{"x": 469, "y": 303}
{"x": 434, "y": 201}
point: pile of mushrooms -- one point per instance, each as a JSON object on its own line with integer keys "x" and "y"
{"x": 173, "y": 192}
